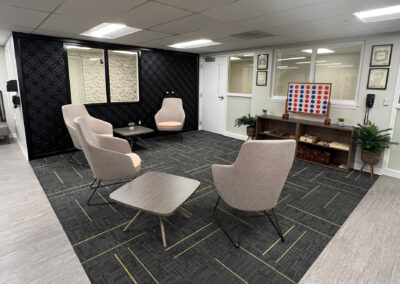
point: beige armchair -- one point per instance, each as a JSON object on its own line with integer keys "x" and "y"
{"x": 70, "y": 112}
{"x": 109, "y": 158}
{"x": 255, "y": 180}
{"x": 171, "y": 116}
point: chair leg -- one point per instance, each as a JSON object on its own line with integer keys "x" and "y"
{"x": 95, "y": 187}
{"x": 236, "y": 245}
{"x": 276, "y": 224}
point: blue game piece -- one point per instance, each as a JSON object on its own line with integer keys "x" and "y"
{"x": 314, "y": 87}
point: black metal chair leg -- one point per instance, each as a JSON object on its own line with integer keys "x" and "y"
{"x": 95, "y": 188}
{"x": 275, "y": 224}
{"x": 236, "y": 245}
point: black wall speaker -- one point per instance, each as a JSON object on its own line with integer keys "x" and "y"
{"x": 12, "y": 86}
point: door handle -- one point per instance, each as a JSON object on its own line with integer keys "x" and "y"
{"x": 221, "y": 97}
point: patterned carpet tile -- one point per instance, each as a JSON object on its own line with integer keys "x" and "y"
{"x": 314, "y": 203}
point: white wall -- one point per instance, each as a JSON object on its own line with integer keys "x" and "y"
{"x": 15, "y": 119}
{"x": 3, "y": 76}
{"x": 380, "y": 114}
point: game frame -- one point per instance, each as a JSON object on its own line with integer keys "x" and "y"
{"x": 326, "y": 115}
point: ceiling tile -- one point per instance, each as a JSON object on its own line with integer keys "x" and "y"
{"x": 185, "y": 25}
{"x": 66, "y": 25}
{"x": 12, "y": 16}
{"x": 243, "y": 9}
{"x": 196, "y": 5}
{"x": 4, "y": 35}
{"x": 103, "y": 10}
{"x": 164, "y": 42}
{"x": 218, "y": 31}
{"x": 43, "y": 5}
{"x": 151, "y": 14}
{"x": 140, "y": 36}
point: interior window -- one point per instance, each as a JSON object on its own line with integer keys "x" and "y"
{"x": 86, "y": 75}
{"x": 124, "y": 76}
{"x": 339, "y": 66}
{"x": 240, "y": 79}
{"x": 291, "y": 66}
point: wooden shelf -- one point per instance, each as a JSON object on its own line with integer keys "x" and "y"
{"x": 299, "y": 127}
{"x": 322, "y": 146}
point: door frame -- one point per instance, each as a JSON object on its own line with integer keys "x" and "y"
{"x": 395, "y": 111}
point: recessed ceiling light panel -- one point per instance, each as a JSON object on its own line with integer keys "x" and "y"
{"x": 194, "y": 44}
{"x": 377, "y": 15}
{"x": 110, "y": 31}
{"x": 125, "y": 52}
{"x": 291, "y": 58}
{"x": 321, "y": 50}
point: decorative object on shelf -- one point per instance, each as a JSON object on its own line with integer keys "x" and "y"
{"x": 262, "y": 62}
{"x": 261, "y": 79}
{"x": 313, "y": 155}
{"x": 131, "y": 126}
{"x": 373, "y": 143}
{"x": 250, "y": 122}
{"x": 377, "y": 78}
{"x": 264, "y": 110}
{"x": 340, "y": 121}
{"x": 381, "y": 55}
{"x": 308, "y": 138}
{"x": 309, "y": 99}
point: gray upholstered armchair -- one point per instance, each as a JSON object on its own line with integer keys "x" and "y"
{"x": 109, "y": 158}
{"x": 70, "y": 112}
{"x": 255, "y": 180}
{"x": 171, "y": 116}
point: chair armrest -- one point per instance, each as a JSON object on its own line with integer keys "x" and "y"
{"x": 100, "y": 126}
{"x": 157, "y": 117}
{"x": 115, "y": 144}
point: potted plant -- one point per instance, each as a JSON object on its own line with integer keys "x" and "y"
{"x": 340, "y": 121}
{"x": 131, "y": 126}
{"x": 372, "y": 142}
{"x": 250, "y": 122}
{"x": 264, "y": 110}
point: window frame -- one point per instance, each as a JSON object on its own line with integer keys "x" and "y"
{"x": 105, "y": 48}
{"x": 352, "y": 104}
{"x": 245, "y": 95}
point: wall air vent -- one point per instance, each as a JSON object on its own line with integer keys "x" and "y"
{"x": 210, "y": 59}
{"x": 252, "y": 35}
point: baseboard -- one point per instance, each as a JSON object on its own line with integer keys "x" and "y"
{"x": 235, "y": 135}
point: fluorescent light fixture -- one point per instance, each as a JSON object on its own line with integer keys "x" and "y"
{"x": 309, "y": 62}
{"x": 125, "y": 52}
{"x": 377, "y": 15}
{"x": 77, "y": 47}
{"x": 194, "y": 44}
{"x": 286, "y": 67}
{"x": 319, "y": 51}
{"x": 341, "y": 66}
{"x": 94, "y": 59}
{"x": 247, "y": 55}
{"x": 234, "y": 58}
{"x": 329, "y": 64}
{"x": 110, "y": 31}
{"x": 291, "y": 58}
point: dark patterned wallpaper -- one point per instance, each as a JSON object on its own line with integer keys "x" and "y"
{"x": 44, "y": 89}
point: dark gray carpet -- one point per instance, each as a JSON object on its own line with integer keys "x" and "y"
{"x": 313, "y": 205}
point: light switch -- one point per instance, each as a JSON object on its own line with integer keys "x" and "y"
{"x": 387, "y": 101}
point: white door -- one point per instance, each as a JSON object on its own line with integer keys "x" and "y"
{"x": 213, "y": 95}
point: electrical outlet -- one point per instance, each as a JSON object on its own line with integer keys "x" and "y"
{"x": 387, "y": 101}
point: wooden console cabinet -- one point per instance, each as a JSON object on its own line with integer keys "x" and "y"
{"x": 278, "y": 128}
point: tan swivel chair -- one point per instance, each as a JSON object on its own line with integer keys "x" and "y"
{"x": 171, "y": 116}
{"x": 109, "y": 158}
{"x": 255, "y": 180}
{"x": 70, "y": 112}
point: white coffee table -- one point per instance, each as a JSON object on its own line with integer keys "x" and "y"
{"x": 156, "y": 193}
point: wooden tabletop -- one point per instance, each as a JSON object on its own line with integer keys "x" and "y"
{"x": 139, "y": 130}
{"x": 156, "y": 193}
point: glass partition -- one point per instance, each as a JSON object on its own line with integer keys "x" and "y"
{"x": 240, "y": 74}
{"x": 86, "y": 75}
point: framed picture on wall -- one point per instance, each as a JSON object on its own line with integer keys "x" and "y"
{"x": 261, "y": 79}
{"x": 377, "y": 78}
{"x": 262, "y": 62}
{"x": 381, "y": 55}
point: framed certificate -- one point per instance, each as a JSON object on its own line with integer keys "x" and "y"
{"x": 262, "y": 62}
{"x": 381, "y": 55}
{"x": 377, "y": 78}
{"x": 261, "y": 79}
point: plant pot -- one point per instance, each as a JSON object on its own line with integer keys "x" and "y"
{"x": 251, "y": 131}
{"x": 370, "y": 157}
{"x": 131, "y": 128}
{"x": 340, "y": 123}
{"x": 264, "y": 113}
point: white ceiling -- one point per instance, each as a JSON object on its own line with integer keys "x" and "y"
{"x": 166, "y": 22}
